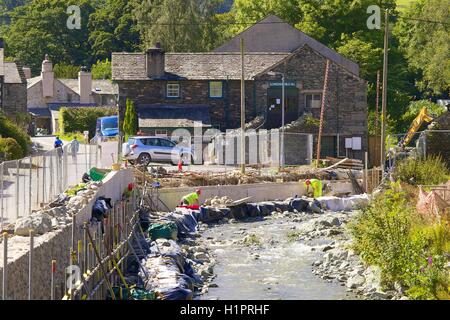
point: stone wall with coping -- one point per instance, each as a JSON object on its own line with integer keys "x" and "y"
{"x": 54, "y": 245}
{"x": 170, "y": 197}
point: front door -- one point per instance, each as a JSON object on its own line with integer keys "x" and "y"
{"x": 274, "y": 106}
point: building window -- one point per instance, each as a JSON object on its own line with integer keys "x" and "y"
{"x": 313, "y": 101}
{"x": 215, "y": 89}
{"x": 173, "y": 90}
{"x": 161, "y": 133}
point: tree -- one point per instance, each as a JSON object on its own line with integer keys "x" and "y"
{"x": 66, "y": 71}
{"x": 130, "y": 125}
{"x": 102, "y": 70}
{"x": 433, "y": 109}
{"x": 179, "y": 25}
{"x": 40, "y": 27}
{"x": 112, "y": 28}
{"x": 427, "y": 44}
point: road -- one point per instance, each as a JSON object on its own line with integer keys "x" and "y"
{"x": 25, "y": 189}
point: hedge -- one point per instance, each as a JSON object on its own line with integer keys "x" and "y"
{"x": 9, "y": 130}
{"x": 73, "y": 120}
{"x": 10, "y": 149}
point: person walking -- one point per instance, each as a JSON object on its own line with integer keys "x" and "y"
{"x": 74, "y": 147}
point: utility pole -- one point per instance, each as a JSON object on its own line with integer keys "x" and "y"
{"x": 322, "y": 110}
{"x": 242, "y": 109}
{"x": 283, "y": 98}
{"x": 384, "y": 95}
{"x": 377, "y": 104}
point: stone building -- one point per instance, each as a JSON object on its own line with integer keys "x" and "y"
{"x": 168, "y": 86}
{"x": 47, "y": 94}
{"x": 13, "y": 87}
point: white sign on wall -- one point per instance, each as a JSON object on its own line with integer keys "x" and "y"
{"x": 348, "y": 143}
{"x": 356, "y": 143}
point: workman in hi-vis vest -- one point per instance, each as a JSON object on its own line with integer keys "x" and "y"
{"x": 191, "y": 199}
{"x": 316, "y": 186}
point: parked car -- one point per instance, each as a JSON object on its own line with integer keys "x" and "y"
{"x": 145, "y": 149}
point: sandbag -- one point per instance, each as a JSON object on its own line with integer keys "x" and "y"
{"x": 168, "y": 230}
{"x": 239, "y": 212}
{"x": 266, "y": 208}
{"x": 211, "y": 214}
{"x": 142, "y": 294}
{"x": 176, "y": 294}
{"x": 282, "y": 206}
{"x": 301, "y": 205}
{"x": 253, "y": 210}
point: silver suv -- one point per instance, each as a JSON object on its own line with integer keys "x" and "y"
{"x": 145, "y": 149}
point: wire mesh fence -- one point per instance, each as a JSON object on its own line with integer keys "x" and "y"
{"x": 29, "y": 183}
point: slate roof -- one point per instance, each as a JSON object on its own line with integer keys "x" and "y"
{"x": 195, "y": 66}
{"x": 173, "y": 116}
{"x": 105, "y": 86}
{"x": 272, "y": 34}
{"x": 12, "y": 73}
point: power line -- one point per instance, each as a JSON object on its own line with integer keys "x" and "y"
{"x": 422, "y": 20}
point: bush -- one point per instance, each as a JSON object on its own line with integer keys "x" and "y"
{"x": 10, "y": 149}
{"x": 102, "y": 70}
{"x": 73, "y": 120}
{"x": 429, "y": 171}
{"x": 389, "y": 234}
{"x": 9, "y": 130}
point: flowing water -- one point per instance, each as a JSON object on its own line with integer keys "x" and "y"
{"x": 278, "y": 269}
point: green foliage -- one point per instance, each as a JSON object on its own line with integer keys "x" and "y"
{"x": 65, "y": 71}
{"x": 40, "y": 28}
{"x": 82, "y": 119}
{"x": 70, "y": 136}
{"x": 179, "y": 25}
{"x": 427, "y": 45}
{"x": 389, "y": 234}
{"x": 112, "y": 28}
{"x": 252, "y": 240}
{"x": 434, "y": 110}
{"x": 10, "y": 149}
{"x": 130, "y": 123}
{"x": 102, "y": 70}
{"x": 10, "y": 130}
{"x": 429, "y": 171}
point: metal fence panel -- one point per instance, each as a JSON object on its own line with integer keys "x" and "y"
{"x": 26, "y": 184}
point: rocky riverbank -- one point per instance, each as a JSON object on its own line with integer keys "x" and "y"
{"x": 339, "y": 262}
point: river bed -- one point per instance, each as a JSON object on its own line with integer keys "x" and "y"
{"x": 270, "y": 266}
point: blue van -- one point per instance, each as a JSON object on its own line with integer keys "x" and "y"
{"x": 108, "y": 126}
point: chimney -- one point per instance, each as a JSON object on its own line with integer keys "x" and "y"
{"x": 85, "y": 85}
{"x": 27, "y": 72}
{"x": 155, "y": 61}
{"x": 48, "y": 77}
{"x": 2, "y": 55}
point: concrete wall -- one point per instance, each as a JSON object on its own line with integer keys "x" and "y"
{"x": 53, "y": 245}
{"x": 170, "y": 197}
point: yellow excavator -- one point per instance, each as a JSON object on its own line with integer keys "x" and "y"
{"x": 422, "y": 117}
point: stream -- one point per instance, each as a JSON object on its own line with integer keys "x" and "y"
{"x": 272, "y": 267}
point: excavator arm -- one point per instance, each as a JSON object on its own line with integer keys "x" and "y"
{"x": 415, "y": 126}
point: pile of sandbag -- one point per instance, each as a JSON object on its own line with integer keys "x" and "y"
{"x": 168, "y": 272}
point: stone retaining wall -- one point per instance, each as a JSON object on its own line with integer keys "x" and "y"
{"x": 53, "y": 245}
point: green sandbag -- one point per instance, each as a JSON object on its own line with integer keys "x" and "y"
{"x": 167, "y": 230}
{"x": 140, "y": 294}
{"x": 97, "y": 174}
